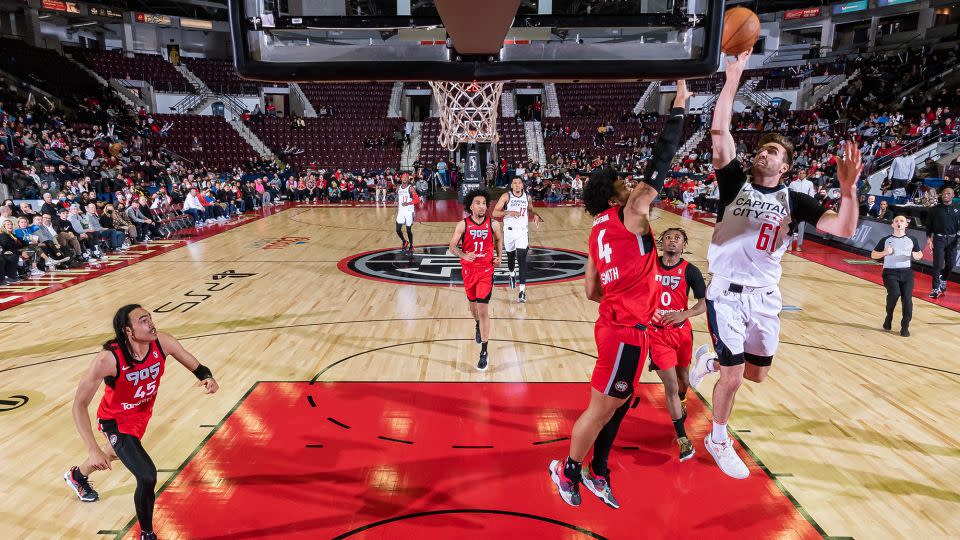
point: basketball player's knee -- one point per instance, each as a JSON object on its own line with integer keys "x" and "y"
{"x": 757, "y": 376}
{"x": 671, "y": 386}
{"x": 730, "y": 379}
{"x": 147, "y": 477}
{"x": 756, "y": 367}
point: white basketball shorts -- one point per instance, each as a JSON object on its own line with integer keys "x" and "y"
{"x": 405, "y": 217}
{"x": 515, "y": 238}
{"x": 744, "y": 322}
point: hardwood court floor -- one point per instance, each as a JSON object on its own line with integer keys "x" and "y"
{"x": 858, "y": 425}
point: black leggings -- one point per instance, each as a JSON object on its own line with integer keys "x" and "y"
{"x": 136, "y": 459}
{"x": 944, "y": 255}
{"x": 520, "y": 255}
{"x": 899, "y": 284}
{"x": 409, "y": 233}
{"x": 604, "y": 442}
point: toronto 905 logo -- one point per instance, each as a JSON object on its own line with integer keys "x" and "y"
{"x": 435, "y": 265}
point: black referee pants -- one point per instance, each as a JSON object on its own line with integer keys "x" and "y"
{"x": 944, "y": 257}
{"x": 899, "y": 284}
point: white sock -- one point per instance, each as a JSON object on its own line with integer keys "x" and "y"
{"x": 522, "y": 287}
{"x": 719, "y": 433}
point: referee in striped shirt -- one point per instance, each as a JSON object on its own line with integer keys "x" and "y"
{"x": 898, "y": 251}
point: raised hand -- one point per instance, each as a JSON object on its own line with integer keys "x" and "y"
{"x": 849, "y": 165}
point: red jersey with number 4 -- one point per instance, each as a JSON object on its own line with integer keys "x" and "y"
{"x": 626, "y": 263}
{"x": 478, "y": 239}
{"x": 128, "y": 398}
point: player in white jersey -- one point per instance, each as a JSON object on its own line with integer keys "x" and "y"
{"x": 406, "y": 201}
{"x": 756, "y": 218}
{"x": 515, "y": 209}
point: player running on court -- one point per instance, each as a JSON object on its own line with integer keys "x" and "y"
{"x": 621, "y": 267}
{"x": 130, "y": 366}
{"x": 478, "y": 242}
{"x": 755, "y": 222}
{"x": 515, "y": 209}
{"x": 406, "y": 202}
{"x": 670, "y": 333}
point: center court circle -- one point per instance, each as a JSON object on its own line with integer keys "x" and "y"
{"x": 434, "y": 265}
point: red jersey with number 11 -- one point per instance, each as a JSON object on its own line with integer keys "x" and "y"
{"x": 627, "y": 264}
{"x": 478, "y": 239}
{"x": 128, "y": 398}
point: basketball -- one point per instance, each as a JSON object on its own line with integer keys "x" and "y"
{"x": 741, "y": 29}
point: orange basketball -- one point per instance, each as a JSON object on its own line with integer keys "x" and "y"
{"x": 741, "y": 29}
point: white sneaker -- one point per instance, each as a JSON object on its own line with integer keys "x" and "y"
{"x": 36, "y": 272}
{"x": 727, "y": 459}
{"x": 699, "y": 371}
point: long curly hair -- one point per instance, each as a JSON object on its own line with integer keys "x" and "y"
{"x": 121, "y": 321}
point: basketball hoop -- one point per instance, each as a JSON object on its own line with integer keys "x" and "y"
{"x": 468, "y": 111}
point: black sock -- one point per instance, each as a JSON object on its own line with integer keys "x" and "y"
{"x": 483, "y": 346}
{"x": 522, "y": 260}
{"x": 678, "y": 427}
{"x": 410, "y": 234}
{"x": 511, "y": 260}
{"x": 571, "y": 469}
{"x": 604, "y": 441}
{"x": 400, "y": 232}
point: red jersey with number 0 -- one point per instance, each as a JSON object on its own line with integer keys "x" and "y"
{"x": 128, "y": 399}
{"x": 626, "y": 263}
{"x": 478, "y": 239}
{"x": 673, "y": 293}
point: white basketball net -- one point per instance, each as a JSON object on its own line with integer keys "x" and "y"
{"x": 468, "y": 111}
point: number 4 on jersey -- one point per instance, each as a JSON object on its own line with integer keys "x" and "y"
{"x": 605, "y": 251}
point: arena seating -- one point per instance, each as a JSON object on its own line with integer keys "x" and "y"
{"x": 46, "y": 69}
{"x": 221, "y": 77}
{"x": 151, "y": 68}
{"x": 222, "y": 147}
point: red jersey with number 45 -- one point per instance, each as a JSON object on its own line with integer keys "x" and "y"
{"x": 626, "y": 263}
{"x": 478, "y": 239}
{"x": 128, "y": 398}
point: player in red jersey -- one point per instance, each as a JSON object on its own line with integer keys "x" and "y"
{"x": 478, "y": 241}
{"x": 671, "y": 335}
{"x": 620, "y": 276}
{"x": 130, "y": 365}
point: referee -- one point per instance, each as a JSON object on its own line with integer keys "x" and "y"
{"x": 897, "y": 250}
{"x": 943, "y": 224}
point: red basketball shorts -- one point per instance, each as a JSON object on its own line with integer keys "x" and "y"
{"x": 670, "y": 346}
{"x": 621, "y": 352}
{"x": 478, "y": 282}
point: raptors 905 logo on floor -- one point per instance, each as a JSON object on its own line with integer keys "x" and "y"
{"x": 435, "y": 265}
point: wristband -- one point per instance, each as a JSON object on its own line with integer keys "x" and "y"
{"x": 203, "y": 373}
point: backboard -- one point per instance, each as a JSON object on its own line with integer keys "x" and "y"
{"x": 460, "y": 40}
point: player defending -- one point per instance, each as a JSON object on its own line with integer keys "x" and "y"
{"x": 621, "y": 267}
{"x": 671, "y": 335}
{"x": 480, "y": 247}
{"x": 406, "y": 201}
{"x": 130, "y": 365}
{"x": 515, "y": 210}
{"x": 755, "y": 222}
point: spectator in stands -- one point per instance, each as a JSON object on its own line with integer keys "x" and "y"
{"x": 10, "y": 247}
{"x": 442, "y": 173}
{"x": 112, "y": 219}
{"x": 801, "y": 185}
{"x": 112, "y": 238}
{"x": 576, "y": 188}
{"x": 196, "y": 210}
{"x": 869, "y": 206}
{"x": 86, "y": 235}
{"x": 884, "y": 213}
{"x": 66, "y": 237}
{"x": 333, "y": 192}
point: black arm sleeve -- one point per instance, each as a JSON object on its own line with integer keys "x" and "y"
{"x": 916, "y": 244}
{"x": 695, "y": 281}
{"x": 664, "y": 150}
{"x": 881, "y": 245}
{"x": 730, "y": 178}
{"x": 805, "y": 208}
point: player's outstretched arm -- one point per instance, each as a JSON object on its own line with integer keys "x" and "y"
{"x": 724, "y": 149}
{"x": 591, "y": 281}
{"x": 455, "y": 248}
{"x": 497, "y": 242}
{"x": 173, "y": 347}
{"x": 103, "y": 365}
{"x": 498, "y": 211}
{"x": 642, "y": 196}
{"x": 844, "y": 222}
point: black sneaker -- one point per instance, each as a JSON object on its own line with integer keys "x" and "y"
{"x": 80, "y": 485}
{"x": 477, "y": 338}
{"x": 888, "y": 323}
{"x": 522, "y": 298}
{"x": 905, "y": 332}
{"x": 686, "y": 448}
{"x": 148, "y": 535}
{"x": 482, "y": 364}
